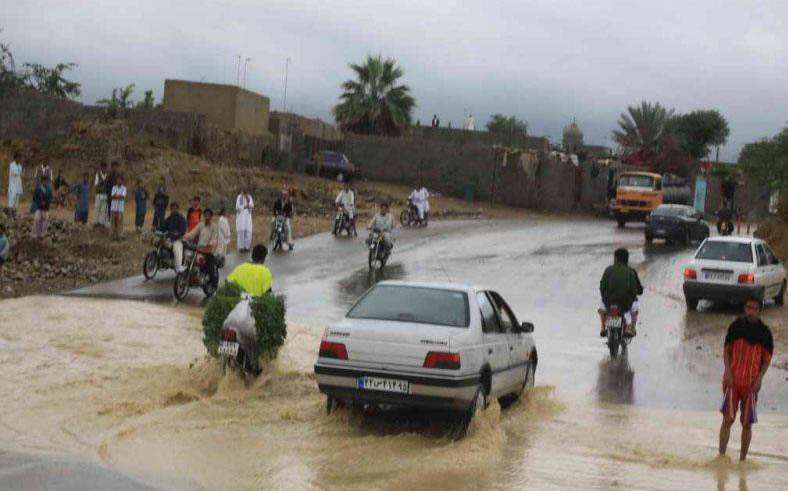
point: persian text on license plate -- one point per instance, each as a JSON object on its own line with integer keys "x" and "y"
{"x": 718, "y": 276}
{"x": 228, "y": 348}
{"x": 613, "y": 322}
{"x": 384, "y": 384}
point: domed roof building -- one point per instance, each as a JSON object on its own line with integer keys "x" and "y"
{"x": 572, "y": 141}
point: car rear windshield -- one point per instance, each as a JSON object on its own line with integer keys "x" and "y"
{"x": 670, "y": 211}
{"x": 636, "y": 181}
{"x": 725, "y": 251}
{"x": 414, "y": 304}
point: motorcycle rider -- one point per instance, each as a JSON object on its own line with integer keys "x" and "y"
{"x": 346, "y": 200}
{"x": 206, "y": 235}
{"x": 724, "y": 216}
{"x": 384, "y": 223}
{"x": 620, "y": 285}
{"x": 254, "y": 277}
{"x": 175, "y": 226}
{"x": 284, "y": 206}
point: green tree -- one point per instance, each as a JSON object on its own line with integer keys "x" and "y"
{"x": 149, "y": 102}
{"x": 373, "y": 103}
{"x": 766, "y": 161}
{"x": 499, "y": 123}
{"x": 119, "y": 103}
{"x": 700, "y": 130}
{"x": 9, "y": 77}
{"x": 50, "y": 81}
{"x": 644, "y": 128}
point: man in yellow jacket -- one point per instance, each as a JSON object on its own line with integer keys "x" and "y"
{"x": 253, "y": 277}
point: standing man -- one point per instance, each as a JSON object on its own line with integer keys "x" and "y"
{"x": 244, "y": 205}
{"x": 140, "y": 205}
{"x": 193, "y": 214}
{"x": 284, "y": 206}
{"x": 42, "y": 171}
{"x": 111, "y": 181}
{"x": 101, "y": 207}
{"x": 224, "y": 233}
{"x": 82, "y": 190}
{"x": 15, "y": 172}
{"x": 747, "y": 354}
{"x": 160, "y": 201}
{"x": 42, "y": 199}
{"x": 118, "y": 206}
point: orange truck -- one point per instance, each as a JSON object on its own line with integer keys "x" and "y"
{"x": 637, "y": 195}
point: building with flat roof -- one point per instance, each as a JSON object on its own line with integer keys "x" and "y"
{"x": 225, "y": 106}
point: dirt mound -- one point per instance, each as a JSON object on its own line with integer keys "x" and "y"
{"x": 774, "y": 230}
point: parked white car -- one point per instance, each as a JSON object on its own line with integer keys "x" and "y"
{"x": 733, "y": 269}
{"x": 426, "y": 345}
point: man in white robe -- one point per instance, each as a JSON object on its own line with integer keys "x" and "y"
{"x": 101, "y": 212}
{"x": 15, "y": 172}
{"x": 419, "y": 197}
{"x": 244, "y": 205}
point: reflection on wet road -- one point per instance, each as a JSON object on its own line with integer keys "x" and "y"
{"x": 644, "y": 421}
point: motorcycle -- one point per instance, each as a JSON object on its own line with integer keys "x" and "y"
{"x": 278, "y": 236}
{"x": 725, "y": 228}
{"x": 196, "y": 273}
{"x": 409, "y": 217}
{"x": 159, "y": 258}
{"x": 343, "y": 222}
{"x": 237, "y": 352}
{"x": 615, "y": 324}
{"x": 378, "y": 252}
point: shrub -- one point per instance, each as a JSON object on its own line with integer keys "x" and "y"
{"x": 268, "y": 313}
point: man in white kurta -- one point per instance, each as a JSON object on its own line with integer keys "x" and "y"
{"x": 100, "y": 210}
{"x": 244, "y": 205}
{"x": 224, "y": 234}
{"x": 14, "y": 182}
{"x": 420, "y": 198}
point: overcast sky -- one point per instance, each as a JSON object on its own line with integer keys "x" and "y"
{"x": 543, "y": 61}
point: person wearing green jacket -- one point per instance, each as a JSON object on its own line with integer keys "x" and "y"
{"x": 620, "y": 286}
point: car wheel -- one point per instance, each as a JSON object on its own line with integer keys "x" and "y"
{"x": 692, "y": 303}
{"x": 780, "y": 298}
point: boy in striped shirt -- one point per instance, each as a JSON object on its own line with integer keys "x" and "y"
{"x": 748, "y": 352}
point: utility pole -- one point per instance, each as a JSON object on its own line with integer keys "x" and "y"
{"x": 246, "y": 61}
{"x": 287, "y": 67}
{"x": 238, "y": 74}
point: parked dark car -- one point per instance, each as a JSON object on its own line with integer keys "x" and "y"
{"x": 332, "y": 164}
{"x": 676, "y": 223}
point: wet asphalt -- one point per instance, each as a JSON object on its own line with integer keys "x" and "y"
{"x": 548, "y": 270}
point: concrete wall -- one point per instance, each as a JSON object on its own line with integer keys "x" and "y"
{"x": 314, "y": 128}
{"x": 463, "y": 137}
{"x": 226, "y": 106}
{"x": 750, "y": 199}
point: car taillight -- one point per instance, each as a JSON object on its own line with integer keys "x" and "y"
{"x": 440, "y": 359}
{"x": 690, "y": 274}
{"x": 229, "y": 335}
{"x": 333, "y": 350}
{"x": 746, "y": 278}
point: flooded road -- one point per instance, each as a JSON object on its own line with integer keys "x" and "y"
{"x": 136, "y": 393}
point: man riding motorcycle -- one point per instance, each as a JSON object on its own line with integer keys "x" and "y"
{"x": 620, "y": 286}
{"x": 420, "y": 199}
{"x": 724, "y": 219}
{"x": 346, "y": 202}
{"x": 206, "y": 235}
{"x": 175, "y": 226}
{"x": 254, "y": 277}
{"x": 383, "y": 222}
{"x": 284, "y": 206}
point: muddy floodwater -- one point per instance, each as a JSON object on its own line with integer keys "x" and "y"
{"x": 123, "y": 386}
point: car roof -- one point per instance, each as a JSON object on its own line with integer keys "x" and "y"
{"x": 731, "y": 238}
{"x": 432, "y": 284}
{"x": 640, "y": 173}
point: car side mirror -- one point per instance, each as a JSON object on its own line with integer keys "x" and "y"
{"x": 527, "y": 327}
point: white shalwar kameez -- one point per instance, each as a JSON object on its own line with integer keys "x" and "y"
{"x": 420, "y": 198}
{"x": 244, "y": 205}
{"x": 14, "y": 184}
{"x": 224, "y": 236}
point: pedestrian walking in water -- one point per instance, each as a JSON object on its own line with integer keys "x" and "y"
{"x": 42, "y": 199}
{"x": 160, "y": 201}
{"x": 82, "y": 190}
{"x": 140, "y": 205}
{"x": 118, "y": 206}
{"x": 748, "y": 352}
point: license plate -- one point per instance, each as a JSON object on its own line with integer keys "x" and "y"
{"x": 228, "y": 348}
{"x": 383, "y": 384}
{"x": 718, "y": 276}
{"x": 613, "y": 322}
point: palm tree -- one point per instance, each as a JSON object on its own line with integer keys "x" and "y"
{"x": 645, "y": 129}
{"x": 373, "y": 103}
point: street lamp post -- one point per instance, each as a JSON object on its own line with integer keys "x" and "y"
{"x": 287, "y": 67}
{"x": 246, "y": 61}
{"x": 238, "y": 74}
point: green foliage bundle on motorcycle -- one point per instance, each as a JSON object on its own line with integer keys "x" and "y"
{"x": 268, "y": 313}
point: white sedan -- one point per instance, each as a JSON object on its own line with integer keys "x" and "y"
{"x": 427, "y": 345}
{"x": 733, "y": 269}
